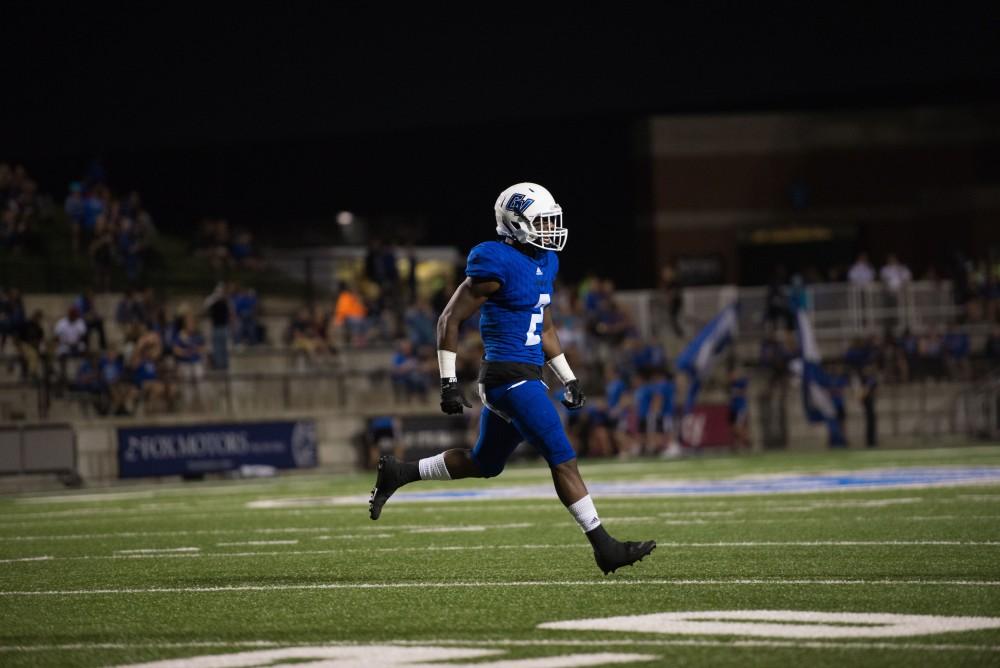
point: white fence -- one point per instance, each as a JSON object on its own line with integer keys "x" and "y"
{"x": 836, "y": 309}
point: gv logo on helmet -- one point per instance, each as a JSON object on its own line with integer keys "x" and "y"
{"x": 517, "y": 203}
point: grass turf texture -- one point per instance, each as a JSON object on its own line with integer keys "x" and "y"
{"x": 486, "y": 573}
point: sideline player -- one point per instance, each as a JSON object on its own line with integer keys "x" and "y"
{"x": 512, "y": 279}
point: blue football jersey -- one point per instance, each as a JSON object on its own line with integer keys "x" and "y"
{"x": 510, "y": 321}
{"x": 665, "y": 389}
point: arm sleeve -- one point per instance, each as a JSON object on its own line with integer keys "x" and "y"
{"x": 485, "y": 264}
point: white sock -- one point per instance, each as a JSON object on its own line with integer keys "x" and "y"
{"x": 585, "y": 514}
{"x": 433, "y": 468}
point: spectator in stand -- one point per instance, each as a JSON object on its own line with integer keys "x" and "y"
{"x": 11, "y": 317}
{"x": 571, "y": 328}
{"x": 71, "y": 338}
{"x": 145, "y": 342}
{"x": 861, "y": 273}
{"x": 87, "y": 380}
{"x": 893, "y": 360}
{"x": 145, "y": 229}
{"x": 244, "y": 306}
{"x": 408, "y": 378}
{"x": 956, "y": 353}
{"x": 304, "y": 337}
{"x": 421, "y": 324}
{"x": 673, "y": 293}
{"x": 31, "y": 346}
{"x": 101, "y": 249}
{"x": 120, "y": 391}
{"x": 869, "y": 395}
{"x": 349, "y": 315}
{"x": 838, "y": 382}
{"x": 130, "y": 248}
{"x": 618, "y": 397}
{"x": 411, "y": 274}
{"x": 189, "y": 351}
{"x": 645, "y": 395}
{"x": 157, "y": 394}
{"x": 859, "y": 353}
{"x": 610, "y": 324}
{"x": 129, "y": 310}
{"x": 909, "y": 344}
{"x": 776, "y": 309}
{"x": 84, "y": 303}
{"x": 931, "y": 351}
{"x": 739, "y": 420}
{"x": 220, "y": 313}
{"x": 665, "y": 390}
{"x": 895, "y": 277}
{"x": 381, "y": 268}
{"x": 75, "y": 208}
{"x": 94, "y": 206}
{"x": 242, "y": 251}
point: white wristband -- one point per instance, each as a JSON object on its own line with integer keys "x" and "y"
{"x": 446, "y": 362}
{"x": 560, "y": 367}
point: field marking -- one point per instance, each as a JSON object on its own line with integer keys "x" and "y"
{"x": 190, "y": 552}
{"x": 159, "y": 550}
{"x": 548, "y": 642}
{"x": 43, "y": 557}
{"x": 91, "y": 496}
{"x": 797, "y": 624}
{"x": 461, "y": 528}
{"x": 472, "y": 584}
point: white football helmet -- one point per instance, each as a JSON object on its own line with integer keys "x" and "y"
{"x": 528, "y": 213}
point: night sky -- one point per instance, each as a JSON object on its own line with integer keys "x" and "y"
{"x": 279, "y": 120}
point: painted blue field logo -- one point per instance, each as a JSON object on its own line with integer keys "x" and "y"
{"x": 518, "y": 203}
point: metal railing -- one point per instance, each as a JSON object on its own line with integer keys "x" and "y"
{"x": 836, "y": 309}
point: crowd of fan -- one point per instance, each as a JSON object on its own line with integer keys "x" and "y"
{"x": 160, "y": 352}
{"x": 110, "y": 231}
{"x": 157, "y": 357}
{"x": 225, "y": 248}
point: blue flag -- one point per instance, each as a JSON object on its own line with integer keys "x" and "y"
{"x": 700, "y": 356}
{"x": 816, "y": 400}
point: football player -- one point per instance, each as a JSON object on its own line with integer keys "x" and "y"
{"x": 511, "y": 280}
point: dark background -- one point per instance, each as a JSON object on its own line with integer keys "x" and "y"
{"x": 279, "y": 120}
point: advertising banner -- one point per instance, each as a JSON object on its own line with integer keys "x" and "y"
{"x": 210, "y": 448}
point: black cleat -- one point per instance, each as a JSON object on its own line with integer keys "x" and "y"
{"x": 613, "y": 555}
{"x": 387, "y": 482}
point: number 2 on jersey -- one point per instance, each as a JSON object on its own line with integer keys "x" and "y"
{"x": 536, "y": 320}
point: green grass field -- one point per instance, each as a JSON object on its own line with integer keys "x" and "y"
{"x": 148, "y": 573}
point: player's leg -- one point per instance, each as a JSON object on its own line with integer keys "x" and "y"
{"x": 497, "y": 440}
{"x": 536, "y": 418}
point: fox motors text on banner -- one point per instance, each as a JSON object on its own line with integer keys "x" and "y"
{"x": 208, "y": 448}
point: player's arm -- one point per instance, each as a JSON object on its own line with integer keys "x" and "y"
{"x": 467, "y": 299}
{"x": 574, "y": 397}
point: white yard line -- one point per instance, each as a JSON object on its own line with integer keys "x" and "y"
{"x": 260, "y": 542}
{"x": 159, "y": 550}
{"x": 186, "y": 552}
{"x": 472, "y": 584}
{"x": 636, "y": 642}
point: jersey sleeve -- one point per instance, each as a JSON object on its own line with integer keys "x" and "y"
{"x": 486, "y": 263}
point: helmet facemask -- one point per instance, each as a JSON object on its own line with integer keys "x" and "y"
{"x": 546, "y": 230}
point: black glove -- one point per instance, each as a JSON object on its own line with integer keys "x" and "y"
{"x": 452, "y": 398}
{"x": 574, "y": 397}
